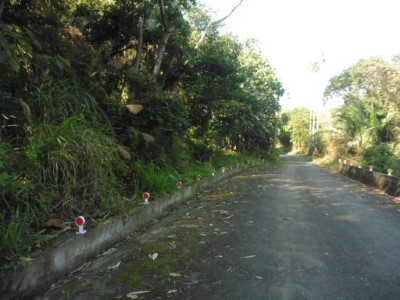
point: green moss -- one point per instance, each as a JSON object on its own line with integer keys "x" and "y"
{"x": 222, "y": 195}
{"x": 170, "y": 257}
{"x": 128, "y": 273}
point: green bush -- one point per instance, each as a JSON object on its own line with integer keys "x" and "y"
{"x": 316, "y": 146}
{"x": 380, "y": 157}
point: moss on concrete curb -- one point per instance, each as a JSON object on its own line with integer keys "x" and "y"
{"x": 36, "y": 276}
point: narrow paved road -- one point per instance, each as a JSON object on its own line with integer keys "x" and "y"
{"x": 293, "y": 231}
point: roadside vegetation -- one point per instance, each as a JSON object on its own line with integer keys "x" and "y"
{"x": 364, "y": 131}
{"x": 103, "y": 100}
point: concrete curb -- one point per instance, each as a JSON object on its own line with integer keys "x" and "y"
{"x": 388, "y": 184}
{"x": 37, "y": 276}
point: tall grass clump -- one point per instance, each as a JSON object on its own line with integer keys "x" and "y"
{"x": 56, "y": 100}
{"x": 13, "y": 224}
{"x": 65, "y": 169}
{"x": 81, "y": 162}
{"x": 24, "y": 199}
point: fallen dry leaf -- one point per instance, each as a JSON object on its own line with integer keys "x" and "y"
{"x": 225, "y": 213}
{"x": 175, "y": 274}
{"x": 250, "y": 256}
{"x": 109, "y": 251}
{"x": 84, "y": 266}
{"x": 259, "y": 277}
{"x": 190, "y": 226}
{"x": 153, "y": 256}
{"x": 56, "y": 223}
{"x": 134, "y": 108}
{"x": 172, "y": 291}
{"x": 114, "y": 266}
{"x": 134, "y": 295}
{"x": 25, "y": 259}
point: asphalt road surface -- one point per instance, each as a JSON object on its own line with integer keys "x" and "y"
{"x": 291, "y": 231}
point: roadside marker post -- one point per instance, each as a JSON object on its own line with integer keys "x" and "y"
{"x": 213, "y": 172}
{"x": 198, "y": 177}
{"x": 80, "y": 221}
{"x": 223, "y": 169}
{"x": 179, "y": 184}
{"x": 146, "y": 197}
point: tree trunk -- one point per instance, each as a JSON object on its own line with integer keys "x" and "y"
{"x": 1, "y": 8}
{"x": 168, "y": 81}
{"x": 161, "y": 51}
{"x": 139, "y": 49}
{"x": 276, "y": 130}
{"x": 164, "y": 40}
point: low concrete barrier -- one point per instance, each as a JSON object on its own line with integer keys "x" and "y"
{"x": 37, "y": 276}
{"x": 388, "y": 184}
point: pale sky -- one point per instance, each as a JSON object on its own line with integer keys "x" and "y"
{"x": 295, "y": 33}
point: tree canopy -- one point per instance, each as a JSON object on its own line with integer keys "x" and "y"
{"x": 371, "y": 93}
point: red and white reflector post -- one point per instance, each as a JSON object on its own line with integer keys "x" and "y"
{"x": 146, "y": 197}
{"x": 80, "y": 221}
{"x": 198, "y": 177}
{"x": 223, "y": 169}
{"x": 213, "y": 172}
{"x": 179, "y": 184}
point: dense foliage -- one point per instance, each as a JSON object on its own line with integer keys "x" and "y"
{"x": 365, "y": 130}
{"x": 368, "y": 124}
{"x": 92, "y": 93}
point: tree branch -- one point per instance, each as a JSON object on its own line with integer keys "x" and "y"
{"x": 215, "y": 23}
{"x": 164, "y": 21}
{"x": 227, "y": 16}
